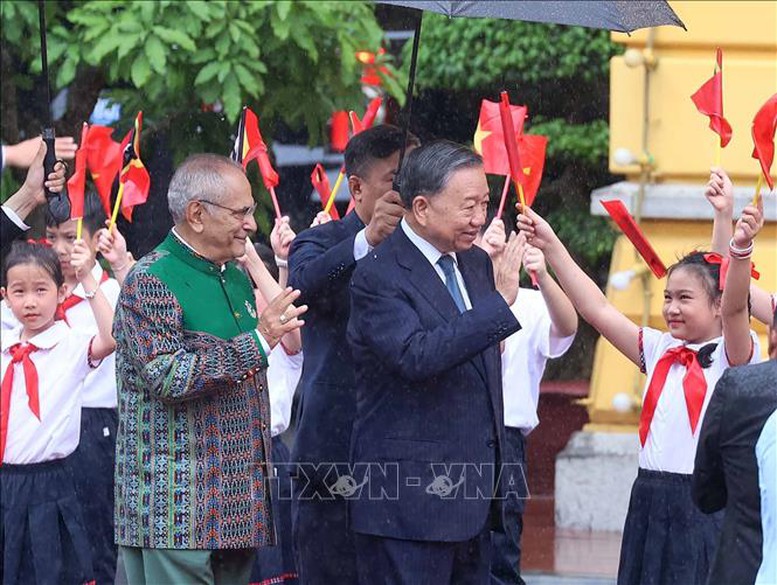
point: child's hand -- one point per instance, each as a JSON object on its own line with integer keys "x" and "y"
{"x": 494, "y": 239}
{"x": 250, "y": 257}
{"x": 281, "y": 238}
{"x": 538, "y": 231}
{"x": 720, "y": 191}
{"x": 112, "y": 245}
{"x": 322, "y": 217}
{"x": 534, "y": 261}
{"x": 81, "y": 259}
{"x": 750, "y": 223}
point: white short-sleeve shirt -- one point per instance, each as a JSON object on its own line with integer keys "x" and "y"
{"x": 283, "y": 374}
{"x": 99, "y": 390}
{"x": 62, "y": 364}
{"x": 766, "y": 455}
{"x": 524, "y": 357}
{"x": 670, "y": 445}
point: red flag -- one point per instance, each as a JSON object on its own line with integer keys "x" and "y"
{"x": 764, "y": 125}
{"x": 531, "y": 148}
{"x": 630, "y": 229}
{"x": 134, "y": 175}
{"x": 103, "y": 159}
{"x": 359, "y": 125}
{"x": 489, "y": 136}
{"x": 511, "y": 143}
{"x": 321, "y": 184}
{"x": 709, "y": 101}
{"x": 77, "y": 183}
{"x": 250, "y": 145}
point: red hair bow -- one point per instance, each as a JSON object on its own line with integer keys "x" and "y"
{"x": 40, "y": 242}
{"x": 715, "y": 258}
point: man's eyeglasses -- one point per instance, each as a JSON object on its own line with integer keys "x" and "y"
{"x": 240, "y": 214}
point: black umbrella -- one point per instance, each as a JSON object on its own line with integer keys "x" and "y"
{"x": 615, "y": 15}
{"x": 48, "y": 130}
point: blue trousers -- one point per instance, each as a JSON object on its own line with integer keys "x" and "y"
{"x": 506, "y": 539}
{"x": 92, "y": 464}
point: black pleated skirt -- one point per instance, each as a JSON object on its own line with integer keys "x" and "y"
{"x": 42, "y": 532}
{"x": 666, "y": 539}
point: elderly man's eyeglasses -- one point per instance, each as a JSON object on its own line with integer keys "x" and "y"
{"x": 240, "y": 214}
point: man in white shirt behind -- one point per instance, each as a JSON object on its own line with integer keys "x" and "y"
{"x": 549, "y": 324}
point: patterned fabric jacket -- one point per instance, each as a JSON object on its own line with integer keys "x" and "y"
{"x": 193, "y": 443}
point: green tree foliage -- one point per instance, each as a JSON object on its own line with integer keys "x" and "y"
{"x": 294, "y": 60}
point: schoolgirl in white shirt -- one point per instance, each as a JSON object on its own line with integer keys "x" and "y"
{"x": 44, "y": 363}
{"x": 666, "y": 539}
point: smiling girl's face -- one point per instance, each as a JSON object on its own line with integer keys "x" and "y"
{"x": 690, "y": 312}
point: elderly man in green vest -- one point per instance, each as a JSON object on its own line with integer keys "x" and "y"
{"x": 193, "y": 445}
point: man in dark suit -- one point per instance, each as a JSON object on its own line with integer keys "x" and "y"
{"x": 321, "y": 262}
{"x": 29, "y": 196}
{"x": 427, "y": 316}
{"x": 726, "y": 470}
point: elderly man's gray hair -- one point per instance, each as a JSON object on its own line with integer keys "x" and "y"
{"x": 201, "y": 176}
{"x": 427, "y": 169}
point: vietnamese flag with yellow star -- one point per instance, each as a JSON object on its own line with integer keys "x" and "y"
{"x": 489, "y": 143}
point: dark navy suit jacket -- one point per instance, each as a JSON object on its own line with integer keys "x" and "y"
{"x": 429, "y": 419}
{"x": 321, "y": 263}
{"x": 726, "y": 470}
{"x": 9, "y": 230}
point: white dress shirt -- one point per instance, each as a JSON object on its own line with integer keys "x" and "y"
{"x": 670, "y": 444}
{"x": 432, "y": 254}
{"x": 283, "y": 374}
{"x": 524, "y": 357}
{"x": 766, "y": 454}
{"x": 62, "y": 365}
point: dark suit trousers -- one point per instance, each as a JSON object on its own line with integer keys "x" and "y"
{"x": 324, "y": 545}
{"x": 506, "y": 538}
{"x": 391, "y": 561}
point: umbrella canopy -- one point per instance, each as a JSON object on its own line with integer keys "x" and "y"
{"x": 615, "y": 15}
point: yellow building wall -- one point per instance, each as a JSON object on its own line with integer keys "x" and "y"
{"x": 683, "y": 149}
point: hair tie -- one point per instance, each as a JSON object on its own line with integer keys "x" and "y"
{"x": 40, "y": 242}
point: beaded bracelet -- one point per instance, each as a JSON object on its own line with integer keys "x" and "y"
{"x": 739, "y": 253}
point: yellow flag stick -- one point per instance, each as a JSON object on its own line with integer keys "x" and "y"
{"x": 717, "y": 152}
{"x": 116, "y": 206}
{"x": 79, "y": 227}
{"x": 336, "y": 188}
{"x": 758, "y": 186}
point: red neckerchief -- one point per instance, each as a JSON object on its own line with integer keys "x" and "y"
{"x": 694, "y": 387}
{"x": 19, "y": 353}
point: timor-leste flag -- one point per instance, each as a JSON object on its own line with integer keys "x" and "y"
{"x": 103, "y": 159}
{"x": 77, "y": 183}
{"x": 249, "y": 145}
{"x": 764, "y": 125}
{"x": 134, "y": 176}
{"x": 709, "y": 101}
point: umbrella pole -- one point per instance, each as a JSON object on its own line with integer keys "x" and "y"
{"x": 48, "y": 130}
{"x": 409, "y": 96}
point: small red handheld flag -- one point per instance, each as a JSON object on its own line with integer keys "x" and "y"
{"x": 134, "y": 175}
{"x": 321, "y": 184}
{"x": 631, "y": 230}
{"x": 764, "y": 125}
{"x": 77, "y": 183}
{"x": 103, "y": 159}
{"x": 709, "y": 101}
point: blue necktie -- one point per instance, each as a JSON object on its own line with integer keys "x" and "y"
{"x": 446, "y": 263}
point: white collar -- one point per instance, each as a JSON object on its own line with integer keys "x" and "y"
{"x": 192, "y": 248}
{"x": 44, "y": 340}
{"x": 431, "y": 253}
